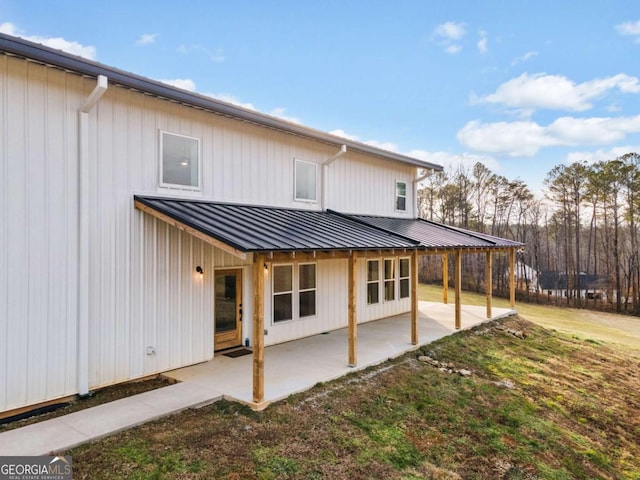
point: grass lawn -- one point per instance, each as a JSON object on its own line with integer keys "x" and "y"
{"x": 550, "y": 406}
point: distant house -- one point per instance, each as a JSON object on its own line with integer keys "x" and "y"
{"x": 144, "y": 228}
{"x": 553, "y": 283}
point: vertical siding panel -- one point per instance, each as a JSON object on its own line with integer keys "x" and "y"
{"x": 17, "y": 241}
{"x": 4, "y": 233}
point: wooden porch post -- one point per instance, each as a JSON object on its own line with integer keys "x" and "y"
{"x": 512, "y": 277}
{"x": 414, "y": 297}
{"x": 445, "y": 278}
{"x": 258, "y": 328}
{"x": 488, "y": 286}
{"x": 353, "y": 319}
{"x": 458, "y": 282}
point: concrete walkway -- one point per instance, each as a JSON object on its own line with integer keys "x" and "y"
{"x": 289, "y": 368}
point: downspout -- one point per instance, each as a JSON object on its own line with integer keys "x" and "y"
{"x": 325, "y": 172}
{"x": 415, "y": 191}
{"x": 83, "y": 233}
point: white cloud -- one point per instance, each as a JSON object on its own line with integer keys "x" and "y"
{"x": 450, "y": 30}
{"x": 183, "y": 83}
{"x": 527, "y": 56}
{"x": 557, "y": 92}
{"x": 229, "y": 98}
{"x": 215, "y": 56}
{"x": 453, "y": 49}
{"x": 600, "y": 155}
{"x": 450, "y": 161}
{"x": 448, "y": 33}
{"x": 631, "y": 29}
{"x": 280, "y": 113}
{"x": 524, "y": 139}
{"x": 147, "y": 39}
{"x": 390, "y": 146}
{"x": 58, "y": 43}
{"x": 482, "y": 42}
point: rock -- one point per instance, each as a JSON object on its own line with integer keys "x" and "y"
{"x": 508, "y": 384}
{"x": 464, "y": 372}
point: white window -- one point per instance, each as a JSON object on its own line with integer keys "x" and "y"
{"x": 282, "y": 293}
{"x": 373, "y": 282}
{"x": 294, "y": 288}
{"x": 405, "y": 278}
{"x": 389, "y": 280}
{"x": 179, "y": 161}
{"x": 307, "y": 290}
{"x": 401, "y": 196}
{"x": 306, "y": 181}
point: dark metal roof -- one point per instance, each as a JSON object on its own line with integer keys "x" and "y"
{"x": 57, "y": 58}
{"x": 251, "y": 228}
{"x": 435, "y": 235}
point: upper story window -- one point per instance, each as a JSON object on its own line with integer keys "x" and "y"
{"x": 401, "y": 196}
{"x": 179, "y": 161}
{"x": 306, "y": 181}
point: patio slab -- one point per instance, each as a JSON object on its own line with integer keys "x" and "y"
{"x": 289, "y": 368}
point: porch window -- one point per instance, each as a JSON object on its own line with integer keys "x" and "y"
{"x": 305, "y": 181}
{"x": 389, "y": 280}
{"x": 401, "y": 196}
{"x": 405, "y": 274}
{"x": 373, "y": 282}
{"x": 179, "y": 161}
{"x": 282, "y": 293}
{"x": 306, "y": 290}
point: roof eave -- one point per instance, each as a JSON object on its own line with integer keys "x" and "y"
{"x": 66, "y": 61}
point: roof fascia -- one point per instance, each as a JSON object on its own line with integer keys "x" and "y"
{"x": 65, "y": 61}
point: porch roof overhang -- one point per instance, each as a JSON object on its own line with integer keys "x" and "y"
{"x": 242, "y": 229}
{"x": 435, "y": 236}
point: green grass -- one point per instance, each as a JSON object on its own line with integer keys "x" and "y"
{"x": 589, "y": 325}
{"x": 572, "y": 415}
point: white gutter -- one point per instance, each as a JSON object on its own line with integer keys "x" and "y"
{"x": 415, "y": 190}
{"x": 83, "y": 233}
{"x": 325, "y": 172}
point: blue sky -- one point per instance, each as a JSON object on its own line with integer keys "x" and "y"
{"x": 519, "y": 85}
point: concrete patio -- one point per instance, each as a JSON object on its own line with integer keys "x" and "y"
{"x": 289, "y": 368}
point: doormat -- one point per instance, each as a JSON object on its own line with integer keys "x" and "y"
{"x": 238, "y": 353}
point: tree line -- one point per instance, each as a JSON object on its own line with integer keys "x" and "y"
{"x": 581, "y": 238}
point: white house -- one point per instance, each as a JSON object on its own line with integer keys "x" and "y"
{"x": 144, "y": 228}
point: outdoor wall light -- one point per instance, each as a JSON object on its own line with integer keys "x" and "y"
{"x": 266, "y": 266}
{"x": 200, "y": 270}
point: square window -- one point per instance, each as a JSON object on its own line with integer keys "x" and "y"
{"x": 305, "y": 181}
{"x": 282, "y": 307}
{"x": 282, "y": 278}
{"x": 401, "y": 196}
{"x": 307, "y": 276}
{"x": 180, "y": 161}
{"x": 307, "y": 303}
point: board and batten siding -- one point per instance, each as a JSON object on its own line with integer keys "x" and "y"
{"x": 332, "y": 302}
{"x": 143, "y": 289}
{"x": 367, "y": 186}
{"x": 38, "y": 232}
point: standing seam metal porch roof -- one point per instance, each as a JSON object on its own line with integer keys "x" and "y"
{"x": 251, "y": 228}
{"x": 435, "y": 235}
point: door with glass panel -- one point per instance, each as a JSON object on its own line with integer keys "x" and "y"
{"x": 228, "y": 309}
